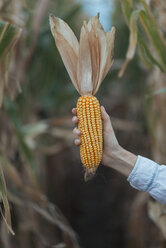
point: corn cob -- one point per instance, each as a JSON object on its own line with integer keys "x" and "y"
{"x": 90, "y": 125}
{"x": 87, "y": 63}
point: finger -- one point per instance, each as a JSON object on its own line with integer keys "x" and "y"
{"x": 106, "y": 119}
{"x": 74, "y": 111}
{"x": 75, "y": 120}
{"x": 76, "y": 131}
{"x": 104, "y": 114}
{"x": 77, "y": 142}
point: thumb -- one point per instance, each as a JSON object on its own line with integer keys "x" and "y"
{"x": 106, "y": 119}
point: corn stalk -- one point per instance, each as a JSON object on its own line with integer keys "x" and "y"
{"x": 9, "y": 35}
{"x": 147, "y": 33}
{"x": 19, "y": 179}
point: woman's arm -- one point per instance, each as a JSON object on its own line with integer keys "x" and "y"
{"x": 150, "y": 177}
{"x": 142, "y": 173}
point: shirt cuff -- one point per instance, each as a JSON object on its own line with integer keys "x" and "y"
{"x": 143, "y": 174}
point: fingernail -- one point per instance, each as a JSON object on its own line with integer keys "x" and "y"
{"x": 74, "y": 130}
{"x": 74, "y": 118}
{"x": 78, "y": 132}
{"x": 77, "y": 142}
{"x": 73, "y": 110}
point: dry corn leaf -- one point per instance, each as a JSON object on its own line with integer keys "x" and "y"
{"x": 3, "y": 196}
{"x": 67, "y": 45}
{"x": 10, "y": 170}
{"x": 53, "y": 215}
{"x": 87, "y": 62}
{"x": 9, "y": 35}
{"x": 107, "y": 54}
{"x": 157, "y": 213}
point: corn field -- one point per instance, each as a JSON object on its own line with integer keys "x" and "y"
{"x": 44, "y": 199}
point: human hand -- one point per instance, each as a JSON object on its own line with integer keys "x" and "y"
{"x": 114, "y": 155}
{"x": 110, "y": 146}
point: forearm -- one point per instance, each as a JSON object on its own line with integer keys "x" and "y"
{"x": 122, "y": 161}
{"x": 149, "y": 176}
{"x": 142, "y": 173}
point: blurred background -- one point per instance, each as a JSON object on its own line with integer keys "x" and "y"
{"x": 42, "y": 190}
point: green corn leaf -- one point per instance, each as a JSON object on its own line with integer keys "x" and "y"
{"x": 127, "y": 8}
{"x": 9, "y": 35}
{"x": 133, "y": 40}
{"x": 146, "y": 54}
{"x": 3, "y": 195}
{"x": 151, "y": 30}
{"x": 143, "y": 56}
{"x": 155, "y": 36}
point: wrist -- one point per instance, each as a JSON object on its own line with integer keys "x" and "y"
{"x": 122, "y": 161}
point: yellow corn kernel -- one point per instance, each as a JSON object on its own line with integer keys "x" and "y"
{"x": 90, "y": 125}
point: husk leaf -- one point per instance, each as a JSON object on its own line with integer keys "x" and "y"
{"x": 89, "y": 61}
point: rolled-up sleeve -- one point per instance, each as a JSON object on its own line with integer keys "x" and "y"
{"x": 150, "y": 177}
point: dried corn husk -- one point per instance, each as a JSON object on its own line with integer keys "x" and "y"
{"x": 87, "y": 62}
